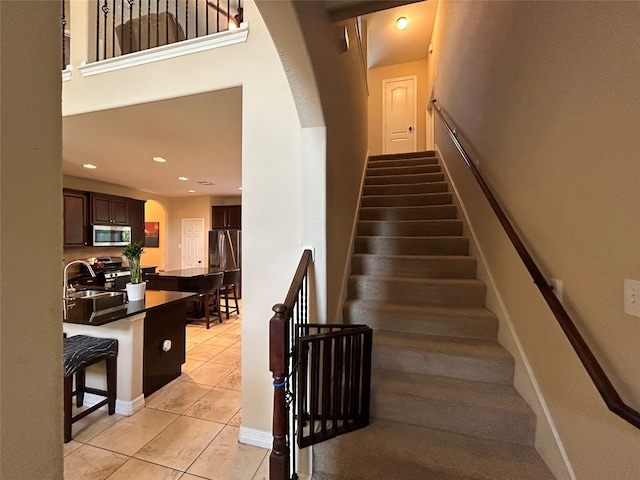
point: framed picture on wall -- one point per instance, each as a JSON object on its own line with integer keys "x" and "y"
{"x": 152, "y": 234}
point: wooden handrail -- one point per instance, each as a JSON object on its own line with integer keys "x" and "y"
{"x": 595, "y": 371}
{"x": 281, "y": 329}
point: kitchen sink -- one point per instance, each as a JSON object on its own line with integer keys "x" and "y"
{"x": 84, "y": 303}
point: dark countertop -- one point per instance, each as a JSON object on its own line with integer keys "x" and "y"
{"x": 188, "y": 272}
{"x": 153, "y": 299}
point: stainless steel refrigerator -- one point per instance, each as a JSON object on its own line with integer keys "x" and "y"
{"x": 225, "y": 248}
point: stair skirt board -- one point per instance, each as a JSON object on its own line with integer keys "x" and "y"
{"x": 443, "y": 404}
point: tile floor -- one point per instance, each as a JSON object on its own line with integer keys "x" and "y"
{"x": 188, "y": 430}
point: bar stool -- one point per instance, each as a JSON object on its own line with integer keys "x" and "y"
{"x": 229, "y": 291}
{"x": 80, "y": 351}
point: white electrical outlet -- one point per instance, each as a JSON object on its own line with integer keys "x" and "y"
{"x": 557, "y": 288}
{"x": 632, "y": 297}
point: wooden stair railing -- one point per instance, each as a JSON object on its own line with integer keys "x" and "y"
{"x": 321, "y": 376}
{"x": 586, "y": 356}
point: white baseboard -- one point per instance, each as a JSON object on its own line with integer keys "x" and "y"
{"x": 255, "y": 437}
{"x": 122, "y": 407}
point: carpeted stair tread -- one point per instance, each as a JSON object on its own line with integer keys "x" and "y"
{"x": 425, "y": 266}
{"x": 410, "y": 228}
{"x": 403, "y": 170}
{"x": 403, "y": 179}
{"x": 441, "y": 291}
{"x": 441, "y": 320}
{"x": 449, "y": 245}
{"x": 401, "y": 156}
{"x": 403, "y": 162}
{"x": 465, "y": 358}
{"x": 393, "y": 450}
{"x": 438, "y": 198}
{"x": 404, "y": 188}
{"x": 431, "y": 212}
{"x": 485, "y": 409}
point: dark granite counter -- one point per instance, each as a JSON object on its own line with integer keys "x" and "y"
{"x": 153, "y": 299}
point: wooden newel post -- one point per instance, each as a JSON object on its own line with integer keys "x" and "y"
{"x": 278, "y": 364}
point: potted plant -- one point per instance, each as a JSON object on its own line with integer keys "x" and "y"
{"x": 136, "y": 288}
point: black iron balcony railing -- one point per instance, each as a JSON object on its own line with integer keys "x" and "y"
{"x": 127, "y": 26}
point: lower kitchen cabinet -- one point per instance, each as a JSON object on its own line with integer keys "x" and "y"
{"x": 164, "y": 346}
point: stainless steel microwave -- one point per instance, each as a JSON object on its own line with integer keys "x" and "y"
{"x": 111, "y": 236}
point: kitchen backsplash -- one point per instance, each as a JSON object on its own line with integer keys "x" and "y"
{"x": 82, "y": 253}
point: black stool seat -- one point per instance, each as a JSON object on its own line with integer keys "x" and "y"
{"x": 81, "y": 351}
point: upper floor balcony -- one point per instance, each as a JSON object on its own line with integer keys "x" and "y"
{"x": 101, "y": 36}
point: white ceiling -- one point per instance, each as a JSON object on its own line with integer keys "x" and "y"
{"x": 200, "y": 136}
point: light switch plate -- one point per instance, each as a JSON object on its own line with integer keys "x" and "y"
{"x": 632, "y": 297}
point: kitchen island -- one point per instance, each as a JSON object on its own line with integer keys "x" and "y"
{"x": 151, "y": 343}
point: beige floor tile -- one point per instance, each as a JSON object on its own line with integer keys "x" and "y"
{"x": 224, "y": 340}
{"x": 234, "y": 330}
{"x": 179, "y": 397}
{"x": 93, "y": 424}
{"x": 236, "y": 420}
{"x": 210, "y": 373}
{"x": 190, "y": 345}
{"x": 226, "y": 459}
{"x": 230, "y": 356}
{"x": 191, "y": 365}
{"x": 92, "y": 463}
{"x": 204, "y": 352}
{"x": 233, "y": 381}
{"x": 188, "y": 476}
{"x": 131, "y": 434}
{"x": 219, "y": 405}
{"x": 71, "y": 446}
{"x": 180, "y": 443}
{"x": 136, "y": 469}
{"x": 263, "y": 470}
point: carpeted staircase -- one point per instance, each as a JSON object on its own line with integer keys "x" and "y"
{"x": 443, "y": 404}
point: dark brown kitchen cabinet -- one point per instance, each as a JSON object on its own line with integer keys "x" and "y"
{"x": 76, "y": 218}
{"x": 227, "y": 216}
{"x": 136, "y": 219}
{"x": 109, "y": 210}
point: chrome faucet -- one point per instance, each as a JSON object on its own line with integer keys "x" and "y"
{"x": 66, "y": 289}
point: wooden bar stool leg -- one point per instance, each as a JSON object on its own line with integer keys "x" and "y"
{"x": 80, "y": 387}
{"x": 235, "y": 297}
{"x": 206, "y": 308}
{"x": 68, "y": 387}
{"x": 112, "y": 382}
{"x": 218, "y": 306}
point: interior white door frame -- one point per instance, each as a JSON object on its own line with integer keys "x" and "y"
{"x": 414, "y": 79}
{"x": 183, "y": 259}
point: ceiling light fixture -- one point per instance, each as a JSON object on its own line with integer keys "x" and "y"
{"x": 159, "y": 160}
{"x": 89, "y": 166}
{"x": 239, "y": 188}
{"x": 191, "y": 191}
{"x": 184, "y": 179}
{"x": 401, "y": 23}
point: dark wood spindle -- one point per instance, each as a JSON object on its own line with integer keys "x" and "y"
{"x": 278, "y": 364}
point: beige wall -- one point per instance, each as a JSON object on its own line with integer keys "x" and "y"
{"x": 376, "y": 77}
{"x": 30, "y": 241}
{"x": 545, "y": 96}
{"x": 155, "y": 256}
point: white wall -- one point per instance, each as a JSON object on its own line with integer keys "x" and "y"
{"x": 545, "y": 96}
{"x": 30, "y": 241}
{"x": 271, "y": 196}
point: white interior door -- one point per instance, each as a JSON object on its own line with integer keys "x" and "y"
{"x": 399, "y": 115}
{"x": 193, "y": 253}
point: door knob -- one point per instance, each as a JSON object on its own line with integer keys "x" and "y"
{"x": 411, "y": 129}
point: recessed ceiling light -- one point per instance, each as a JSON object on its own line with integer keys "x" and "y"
{"x": 239, "y": 188}
{"x": 401, "y": 23}
{"x": 89, "y": 165}
{"x": 191, "y": 191}
{"x": 206, "y": 182}
{"x": 159, "y": 159}
{"x": 183, "y": 178}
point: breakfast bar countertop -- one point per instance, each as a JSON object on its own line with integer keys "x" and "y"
{"x": 153, "y": 299}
